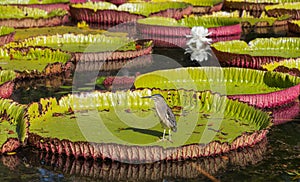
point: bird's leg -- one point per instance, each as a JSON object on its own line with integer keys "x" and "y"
{"x": 164, "y": 134}
{"x": 170, "y": 135}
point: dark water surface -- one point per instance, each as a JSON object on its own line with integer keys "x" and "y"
{"x": 274, "y": 159}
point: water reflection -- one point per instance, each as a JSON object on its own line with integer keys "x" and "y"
{"x": 50, "y": 167}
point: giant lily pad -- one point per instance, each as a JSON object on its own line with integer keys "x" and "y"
{"x": 294, "y": 26}
{"x": 255, "y": 7}
{"x": 20, "y": 17}
{"x": 259, "y": 88}
{"x": 202, "y": 7}
{"x": 47, "y": 5}
{"x": 24, "y": 60}
{"x": 171, "y": 27}
{"x": 104, "y": 12}
{"x": 257, "y": 52}
{"x": 6, "y": 34}
{"x": 91, "y": 47}
{"x": 290, "y": 66}
{"x": 13, "y": 125}
{"x": 248, "y": 20}
{"x": 122, "y": 126}
{"x": 292, "y": 9}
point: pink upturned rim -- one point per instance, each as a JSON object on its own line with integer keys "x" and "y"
{"x": 270, "y": 100}
{"x": 4, "y": 39}
{"x": 116, "y": 17}
{"x": 183, "y": 31}
{"x": 128, "y": 154}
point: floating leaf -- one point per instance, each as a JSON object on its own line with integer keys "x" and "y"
{"x": 140, "y": 126}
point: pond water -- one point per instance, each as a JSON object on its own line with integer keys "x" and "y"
{"x": 274, "y": 159}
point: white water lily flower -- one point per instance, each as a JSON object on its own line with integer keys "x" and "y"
{"x": 198, "y": 45}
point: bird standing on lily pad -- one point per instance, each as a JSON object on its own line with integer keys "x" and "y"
{"x": 165, "y": 114}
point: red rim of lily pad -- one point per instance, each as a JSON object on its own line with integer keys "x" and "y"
{"x": 31, "y": 22}
{"x": 6, "y": 89}
{"x": 117, "y": 17}
{"x": 4, "y": 39}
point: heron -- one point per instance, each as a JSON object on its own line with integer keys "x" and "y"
{"x": 165, "y": 114}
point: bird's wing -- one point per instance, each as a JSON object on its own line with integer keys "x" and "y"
{"x": 171, "y": 117}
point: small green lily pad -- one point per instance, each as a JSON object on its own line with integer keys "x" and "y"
{"x": 31, "y": 58}
{"x": 14, "y": 12}
{"x": 229, "y": 81}
{"x": 79, "y": 43}
{"x": 286, "y": 47}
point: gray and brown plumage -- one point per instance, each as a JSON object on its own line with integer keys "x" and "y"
{"x": 165, "y": 114}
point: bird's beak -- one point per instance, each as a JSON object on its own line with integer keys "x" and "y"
{"x": 146, "y": 97}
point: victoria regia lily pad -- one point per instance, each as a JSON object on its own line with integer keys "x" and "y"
{"x": 248, "y": 20}
{"x": 254, "y": 6}
{"x": 13, "y": 125}
{"x": 171, "y": 27}
{"x": 36, "y": 61}
{"x": 291, "y": 66}
{"x": 47, "y": 5}
{"x": 123, "y": 127}
{"x": 6, "y": 34}
{"x": 202, "y": 7}
{"x": 292, "y": 9}
{"x": 104, "y": 12}
{"x": 21, "y": 17}
{"x": 257, "y": 52}
{"x": 90, "y": 47}
{"x": 259, "y": 88}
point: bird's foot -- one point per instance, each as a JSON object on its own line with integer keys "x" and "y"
{"x": 165, "y": 139}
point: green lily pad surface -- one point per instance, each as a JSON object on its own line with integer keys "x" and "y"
{"x": 25, "y": 33}
{"x": 31, "y": 58}
{"x": 229, "y": 81}
{"x": 12, "y": 122}
{"x": 289, "y": 63}
{"x": 79, "y": 43}
{"x": 189, "y": 21}
{"x": 33, "y": 1}
{"x": 13, "y": 12}
{"x": 145, "y": 8}
{"x": 126, "y": 118}
{"x": 287, "y": 47}
{"x": 6, "y": 30}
